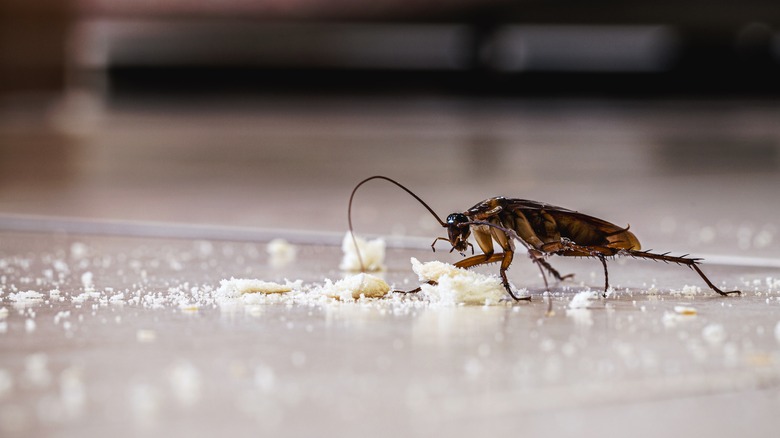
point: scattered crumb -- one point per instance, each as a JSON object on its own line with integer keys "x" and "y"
{"x": 28, "y": 297}
{"x": 86, "y": 281}
{"x": 355, "y": 286}
{"x": 454, "y": 285}
{"x": 583, "y": 299}
{"x": 685, "y": 310}
{"x": 680, "y": 314}
{"x": 687, "y": 291}
{"x": 372, "y": 253}
{"x": 281, "y": 252}
{"x": 236, "y": 287}
{"x": 187, "y": 307}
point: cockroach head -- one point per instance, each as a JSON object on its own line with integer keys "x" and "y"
{"x": 458, "y": 230}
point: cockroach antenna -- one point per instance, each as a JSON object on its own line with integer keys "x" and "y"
{"x": 349, "y": 211}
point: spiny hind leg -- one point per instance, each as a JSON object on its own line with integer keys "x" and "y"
{"x": 552, "y": 270}
{"x": 682, "y": 260}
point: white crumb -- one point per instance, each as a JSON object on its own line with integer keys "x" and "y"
{"x": 433, "y": 271}
{"x": 372, "y": 252}
{"x": 454, "y": 285}
{"x": 281, "y": 252}
{"x": 583, "y": 299}
{"x": 28, "y": 297}
{"x": 685, "y": 310}
{"x": 86, "y": 281}
{"x": 355, "y": 286}
{"x": 687, "y": 291}
{"x": 236, "y": 287}
{"x": 681, "y": 314}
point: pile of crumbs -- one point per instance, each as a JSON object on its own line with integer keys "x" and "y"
{"x": 442, "y": 284}
{"x": 448, "y": 284}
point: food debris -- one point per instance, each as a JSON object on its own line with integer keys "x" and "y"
{"x": 680, "y": 314}
{"x": 281, "y": 252}
{"x": 236, "y": 287}
{"x": 583, "y": 299}
{"x": 685, "y": 310}
{"x": 372, "y": 252}
{"x": 433, "y": 271}
{"x": 355, "y": 286}
{"x": 453, "y": 285}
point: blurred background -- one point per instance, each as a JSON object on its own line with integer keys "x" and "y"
{"x": 266, "y": 113}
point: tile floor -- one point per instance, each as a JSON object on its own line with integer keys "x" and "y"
{"x": 136, "y": 214}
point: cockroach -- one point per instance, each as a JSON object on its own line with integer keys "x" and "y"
{"x": 543, "y": 229}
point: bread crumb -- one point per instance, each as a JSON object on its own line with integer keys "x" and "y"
{"x": 355, "y": 286}
{"x": 582, "y": 300}
{"x": 281, "y": 252}
{"x": 685, "y": 310}
{"x": 236, "y": 287}
{"x": 372, "y": 252}
{"x": 453, "y": 285}
{"x": 433, "y": 271}
{"x": 25, "y": 298}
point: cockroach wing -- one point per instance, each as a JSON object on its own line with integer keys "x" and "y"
{"x": 580, "y": 228}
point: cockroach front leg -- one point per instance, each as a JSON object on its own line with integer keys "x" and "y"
{"x": 506, "y": 260}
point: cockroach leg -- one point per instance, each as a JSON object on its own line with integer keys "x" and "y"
{"x": 552, "y": 270}
{"x": 506, "y": 260}
{"x": 413, "y": 291}
{"x": 433, "y": 245}
{"x": 603, "y": 260}
{"x": 690, "y": 262}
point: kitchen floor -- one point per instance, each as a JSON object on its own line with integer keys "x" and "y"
{"x": 119, "y": 221}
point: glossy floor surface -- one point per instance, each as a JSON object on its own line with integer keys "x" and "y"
{"x": 113, "y": 323}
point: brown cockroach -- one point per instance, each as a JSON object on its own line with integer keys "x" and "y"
{"x": 543, "y": 229}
